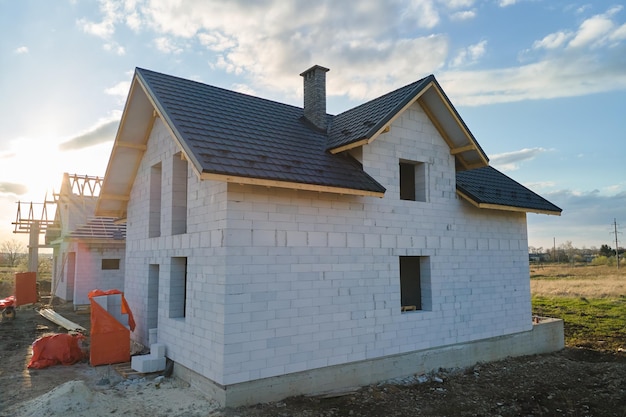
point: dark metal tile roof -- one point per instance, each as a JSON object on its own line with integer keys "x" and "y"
{"x": 235, "y": 134}
{"x": 363, "y": 121}
{"x": 487, "y": 185}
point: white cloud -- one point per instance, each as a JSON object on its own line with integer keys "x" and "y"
{"x": 586, "y": 218}
{"x": 506, "y": 3}
{"x": 619, "y": 33}
{"x": 120, "y": 89}
{"x": 272, "y": 44}
{"x": 216, "y": 41}
{"x": 243, "y": 88}
{"x": 553, "y": 40}
{"x": 269, "y": 42}
{"x": 543, "y": 185}
{"x": 102, "y": 30}
{"x": 133, "y": 21}
{"x": 510, "y": 161}
{"x": 583, "y": 8}
{"x": 422, "y": 13}
{"x": 463, "y": 15}
{"x": 457, "y": 4}
{"x": 592, "y": 31}
{"x": 21, "y": 50}
{"x": 115, "y": 48}
{"x": 13, "y": 188}
{"x": 167, "y": 46}
{"x": 113, "y": 12}
{"x": 469, "y": 55}
{"x": 566, "y": 75}
{"x": 102, "y": 132}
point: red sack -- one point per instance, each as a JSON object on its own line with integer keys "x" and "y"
{"x": 57, "y": 349}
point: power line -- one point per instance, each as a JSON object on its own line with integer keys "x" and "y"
{"x": 616, "y": 241}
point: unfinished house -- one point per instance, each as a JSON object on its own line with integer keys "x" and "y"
{"x": 88, "y": 250}
{"x": 279, "y": 250}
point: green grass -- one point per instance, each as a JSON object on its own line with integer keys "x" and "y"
{"x": 595, "y": 323}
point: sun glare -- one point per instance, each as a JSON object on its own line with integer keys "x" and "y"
{"x": 39, "y": 165}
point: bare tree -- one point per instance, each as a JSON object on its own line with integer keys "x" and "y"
{"x": 12, "y": 250}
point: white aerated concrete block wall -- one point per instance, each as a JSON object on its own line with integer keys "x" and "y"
{"x": 197, "y": 338}
{"x": 282, "y": 281}
{"x": 89, "y": 272}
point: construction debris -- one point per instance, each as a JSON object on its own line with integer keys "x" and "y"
{"x": 56, "y": 318}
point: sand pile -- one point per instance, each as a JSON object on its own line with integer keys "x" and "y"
{"x": 171, "y": 397}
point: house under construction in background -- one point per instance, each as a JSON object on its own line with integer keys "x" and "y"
{"x": 88, "y": 251}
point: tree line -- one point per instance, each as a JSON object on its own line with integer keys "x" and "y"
{"x": 566, "y": 252}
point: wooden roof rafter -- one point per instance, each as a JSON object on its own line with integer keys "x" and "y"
{"x": 24, "y": 224}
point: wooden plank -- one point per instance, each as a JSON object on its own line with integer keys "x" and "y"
{"x": 56, "y": 318}
{"x": 125, "y": 370}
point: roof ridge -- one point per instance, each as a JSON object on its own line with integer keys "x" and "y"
{"x": 387, "y": 94}
{"x": 356, "y": 123}
{"x": 226, "y": 90}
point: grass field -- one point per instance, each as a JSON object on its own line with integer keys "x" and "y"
{"x": 590, "y": 299}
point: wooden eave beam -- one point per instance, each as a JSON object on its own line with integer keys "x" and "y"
{"x": 454, "y": 150}
{"x": 462, "y": 149}
{"x": 115, "y": 197}
{"x": 129, "y": 145}
{"x": 290, "y": 185}
{"x": 349, "y": 146}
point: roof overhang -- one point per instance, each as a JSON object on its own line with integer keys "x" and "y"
{"x": 130, "y": 146}
{"x": 128, "y": 150}
{"x": 492, "y": 206}
{"x": 290, "y": 185}
{"x": 455, "y": 133}
{"x": 445, "y": 118}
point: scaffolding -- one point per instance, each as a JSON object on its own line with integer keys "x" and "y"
{"x": 29, "y": 220}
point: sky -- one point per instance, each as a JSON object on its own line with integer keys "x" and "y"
{"x": 541, "y": 84}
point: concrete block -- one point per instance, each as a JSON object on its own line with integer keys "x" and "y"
{"x": 157, "y": 350}
{"x": 147, "y": 363}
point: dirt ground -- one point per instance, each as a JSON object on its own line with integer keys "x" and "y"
{"x": 573, "y": 382}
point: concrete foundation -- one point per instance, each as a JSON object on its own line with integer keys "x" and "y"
{"x": 546, "y": 336}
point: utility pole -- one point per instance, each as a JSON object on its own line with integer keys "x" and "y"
{"x": 616, "y": 241}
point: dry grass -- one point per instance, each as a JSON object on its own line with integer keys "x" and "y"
{"x": 578, "y": 281}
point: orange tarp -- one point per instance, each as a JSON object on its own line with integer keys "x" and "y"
{"x": 25, "y": 288}
{"x": 110, "y": 339}
{"x": 56, "y": 349}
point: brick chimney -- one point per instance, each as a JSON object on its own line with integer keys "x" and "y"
{"x": 315, "y": 95}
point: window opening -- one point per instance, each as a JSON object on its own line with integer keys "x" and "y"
{"x": 179, "y": 194}
{"x": 178, "y": 287}
{"x": 415, "y": 291}
{"x": 154, "y": 222}
{"x": 110, "y": 264}
{"x": 413, "y": 181}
